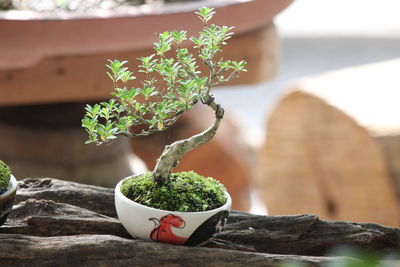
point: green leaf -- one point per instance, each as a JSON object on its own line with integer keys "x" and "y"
{"x": 205, "y": 14}
{"x": 179, "y": 36}
{"x": 197, "y": 41}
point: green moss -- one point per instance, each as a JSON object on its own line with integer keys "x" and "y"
{"x": 5, "y": 175}
{"x": 187, "y": 191}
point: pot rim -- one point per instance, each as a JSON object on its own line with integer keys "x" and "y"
{"x": 12, "y": 186}
{"x": 126, "y": 11}
{"x": 130, "y": 201}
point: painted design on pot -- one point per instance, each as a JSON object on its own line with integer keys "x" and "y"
{"x": 163, "y": 229}
{"x": 209, "y": 228}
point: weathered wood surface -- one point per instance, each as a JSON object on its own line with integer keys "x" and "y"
{"x": 94, "y": 198}
{"x": 106, "y": 250}
{"x": 57, "y": 223}
{"x": 334, "y": 142}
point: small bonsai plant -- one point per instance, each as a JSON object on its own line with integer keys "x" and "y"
{"x": 172, "y": 85}
{"x": 5, "y": 175}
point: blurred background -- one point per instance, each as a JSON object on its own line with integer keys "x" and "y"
{"x": 312, "y": 128}
{"x": 318, "y": 37}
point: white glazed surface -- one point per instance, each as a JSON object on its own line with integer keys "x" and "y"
{"x": 136, "y": 217}
{"x": 11, "y": 187}
{"x": 6, "y": 206}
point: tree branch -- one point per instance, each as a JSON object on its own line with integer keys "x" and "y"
{"x": 174, "y": 152}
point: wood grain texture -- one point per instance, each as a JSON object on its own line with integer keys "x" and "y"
{"x": 95, "y": 198}
{"x": 50, "y": 226}
{"x": 49, "y": 218}
{"x": 106, "y": 250}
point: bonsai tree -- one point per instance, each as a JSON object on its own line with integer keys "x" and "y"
{"x": 173, "y": 85}
{"x": 5, "y": 175}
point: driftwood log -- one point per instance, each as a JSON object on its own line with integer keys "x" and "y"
{"x": 58, "y": 223}
{"x": 333, "y": 145}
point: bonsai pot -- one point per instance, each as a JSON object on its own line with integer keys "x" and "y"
{"x": 173, "y": 227}
{"x": 33, "y": 36}
{"x": 7, "y": 199}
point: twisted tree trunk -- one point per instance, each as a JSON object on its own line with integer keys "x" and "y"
{"x": 174, "y": 152}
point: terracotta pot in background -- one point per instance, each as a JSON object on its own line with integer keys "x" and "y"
{"x": 52, "y": 57}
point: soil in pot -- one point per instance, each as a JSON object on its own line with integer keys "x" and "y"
{"x": 186, "y": 192}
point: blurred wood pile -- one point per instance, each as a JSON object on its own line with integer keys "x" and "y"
{"x": 333, "y": 147}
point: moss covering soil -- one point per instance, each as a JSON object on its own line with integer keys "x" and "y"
{"x": 186, "y": 192}
{"x": 5, "y": 175}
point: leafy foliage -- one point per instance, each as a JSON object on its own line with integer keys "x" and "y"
{"x": 5, "y": 175}
{"x": 186, "y": 191}
{"x": 173, "y": 83}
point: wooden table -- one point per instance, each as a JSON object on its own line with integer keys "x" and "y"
{"x": 58, "y": 223}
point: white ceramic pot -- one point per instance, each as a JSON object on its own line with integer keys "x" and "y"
{"x": 179, "y": 228}
{"x": 7, "y": 199}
